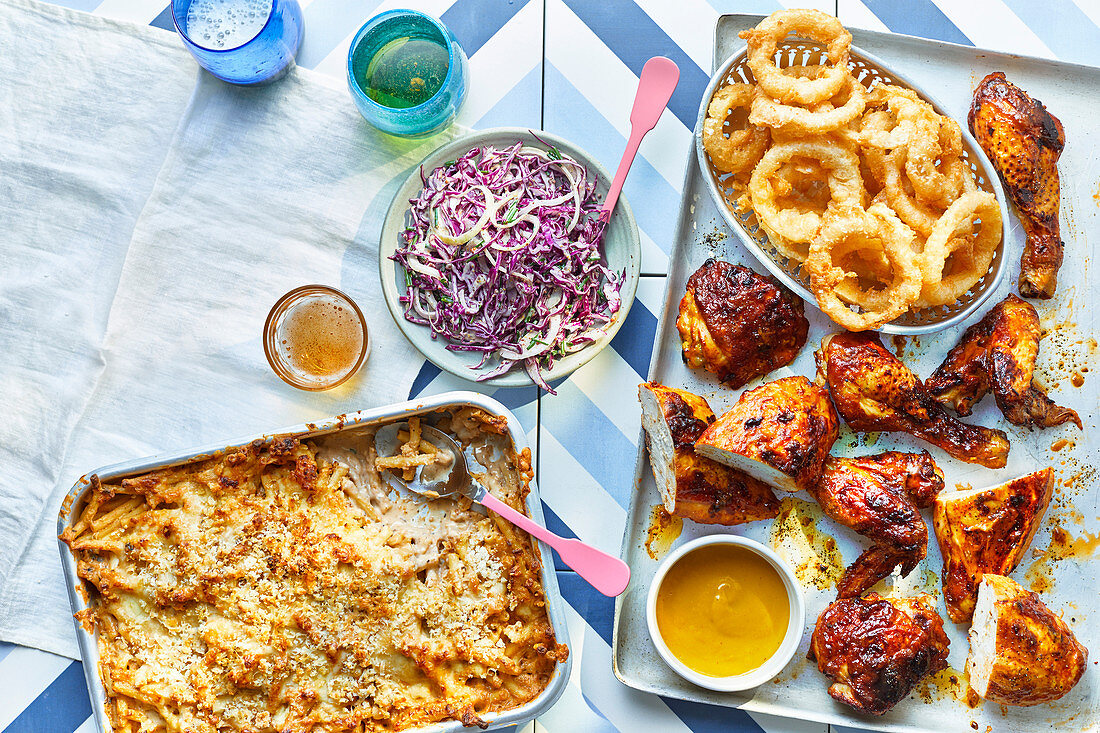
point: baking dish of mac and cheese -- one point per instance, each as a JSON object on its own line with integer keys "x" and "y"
{"x": 283, "y": 584}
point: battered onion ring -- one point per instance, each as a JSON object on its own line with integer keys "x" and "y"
{"x": 905, "y": 108}
{"x": 845, "y": 186}
{"x": 919, "y": 216}
{"x": 793, "y": 251}
{"x": 938, "y": 185}
{"x": 766, "y": 112}
{"x": 953, "y": 235}
{"x": 763, "y": 42}
{"x": 880, "y": 231}
{"x": 743, "y": 148}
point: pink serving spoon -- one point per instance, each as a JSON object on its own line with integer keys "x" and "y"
{"x": 607, "y": 573}
{"x": 655, "y": 87}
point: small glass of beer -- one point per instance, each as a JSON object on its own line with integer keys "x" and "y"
{"x": 315, "y": 337}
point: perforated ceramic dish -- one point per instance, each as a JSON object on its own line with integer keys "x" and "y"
{"x": 868, "y": 70}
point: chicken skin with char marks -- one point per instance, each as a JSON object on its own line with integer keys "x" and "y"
{"x": 739, "y": 324}
{"x": 984, "y": 531}
{"x": 998, "y": 353}
{"x": 780, "y": 433}
{"x": 1024, "y": 142}
{"x": 692, "y": 486}
{"x": 874, "y": 391}
{"x": 877, "y": 649}
{"x": 1021, "y": 652}
{"x": 880, "y": 497}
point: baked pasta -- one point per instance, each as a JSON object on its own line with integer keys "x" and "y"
{"x": 286, "y": 587}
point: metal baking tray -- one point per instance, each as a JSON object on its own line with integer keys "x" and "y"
{"x": 74, "y": 500}
{"x": 1067, "y": 354}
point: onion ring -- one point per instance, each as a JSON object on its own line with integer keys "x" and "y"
{"x": 743, "y": 148}
{"x": 938, "y": 185}
{"x": 764, "y": 40}
{"x": 899, "y": 193}
{"x": 793, "y": 251}
{"x": 881, "y": 232}
{"x": 845, "y": 186}
{"x": 953, "y": 235}
{"x": 767, "y": 112}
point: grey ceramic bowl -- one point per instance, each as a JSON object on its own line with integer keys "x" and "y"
{"x": 621, "y": 247}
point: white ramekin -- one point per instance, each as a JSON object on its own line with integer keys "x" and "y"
{"x": 787, "y": 647}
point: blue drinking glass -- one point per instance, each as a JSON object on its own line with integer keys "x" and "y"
{"x": 434, "y": 113}
{"x": 243, "y": 42}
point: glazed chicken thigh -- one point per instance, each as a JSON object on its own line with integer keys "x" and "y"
{"x": 739, "y": 324}
{"x": 874, "y": 391}
{"x": 876, "y": 649}
{"x": 880, "y": 497}
{"x": 1024, "y": 142}
{"x": 998, "y": 353}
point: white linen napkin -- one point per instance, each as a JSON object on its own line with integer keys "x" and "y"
{"x": 150, "y": 217}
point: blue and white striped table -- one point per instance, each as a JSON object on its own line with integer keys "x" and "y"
{"x": 570, "y": 67}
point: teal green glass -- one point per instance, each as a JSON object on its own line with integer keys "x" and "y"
{"x": 407, "y": 73}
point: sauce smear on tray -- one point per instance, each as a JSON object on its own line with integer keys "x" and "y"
{"x": 722, "y": 610}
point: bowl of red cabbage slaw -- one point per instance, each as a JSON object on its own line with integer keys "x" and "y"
{"x": 495, "y": 262}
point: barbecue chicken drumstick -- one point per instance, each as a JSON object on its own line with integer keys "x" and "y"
{"x": 880, "y": 497}
{"x": 1024, "y": 142}
{"x": 877, "y": 649}
{"x": 874, "y": 391}
{"x": 998, "y": 353}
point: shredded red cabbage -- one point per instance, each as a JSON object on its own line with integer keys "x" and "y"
{"x": 502, "y": 256}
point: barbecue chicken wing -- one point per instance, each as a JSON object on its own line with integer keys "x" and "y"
{"x": 877, "y": 649}
{"x": 780, "y": 433}
{"x": 739, "y": 324}
{"x": 984, "y": 531}
{"x": 1021, "y": 652}
{"x": 998, "y": 353}
{"x": 874, "y": 391}
{"x": 693, "y": 486}
{"x": 880, "y": 497}
{"x": 1024, "y": 142}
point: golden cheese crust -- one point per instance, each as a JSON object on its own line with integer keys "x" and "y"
{"x": 280, "y": 587}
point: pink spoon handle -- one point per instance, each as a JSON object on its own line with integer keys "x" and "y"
{"x": 655, "y": 87}
{"x": 607, "y": 573}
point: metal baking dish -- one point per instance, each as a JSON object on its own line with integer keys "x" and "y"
{"x": 1072, "y": 323}
{"x": 74, "y": 500}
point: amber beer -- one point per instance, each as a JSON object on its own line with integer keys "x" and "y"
{"x": 315, "y": 337}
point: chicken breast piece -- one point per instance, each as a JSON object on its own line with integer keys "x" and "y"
{"x": 1021, "y": 653}
{"x": 692, "y": 486}
{"x": 780, "y": 433}
{"x": 986, "y": 531}
{"x": 877, "y": 649}
{"x": 739, "y": 324}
